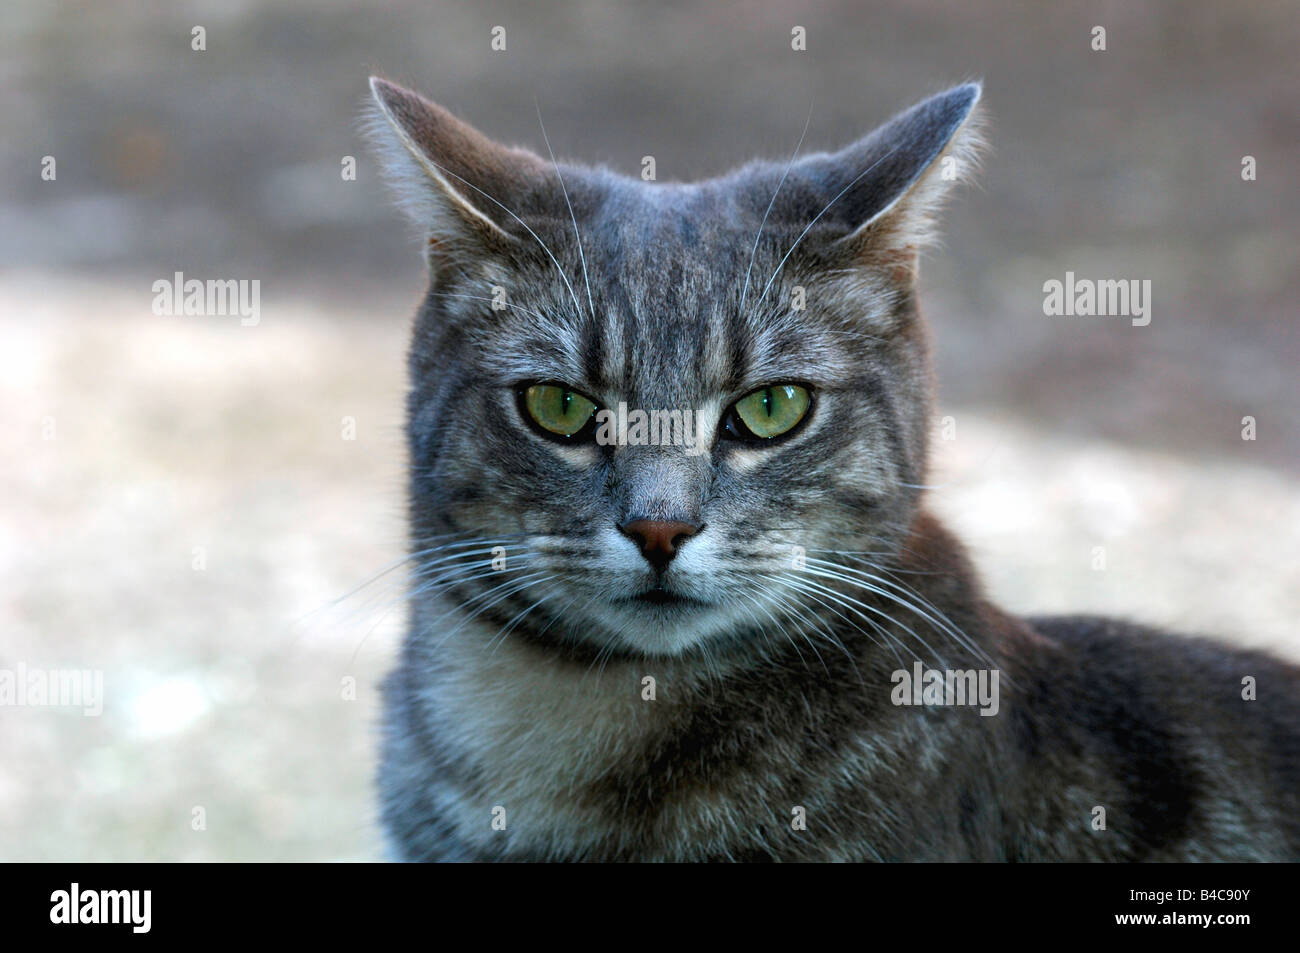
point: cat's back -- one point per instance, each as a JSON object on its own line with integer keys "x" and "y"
{"x": 1191, "y": 746}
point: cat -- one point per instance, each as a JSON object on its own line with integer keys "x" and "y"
{"x": 630, "y": 649}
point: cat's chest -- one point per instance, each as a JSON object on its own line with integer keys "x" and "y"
{"x": 514, "y": 710}
{"x": 532, "y": 741}
{"x": 536, "y": 758}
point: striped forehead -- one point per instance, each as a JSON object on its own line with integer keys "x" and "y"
{"x": 669, "y": 321}
{"x": 664, "y": 323}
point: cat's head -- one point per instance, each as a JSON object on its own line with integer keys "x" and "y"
{"x": 767, "y": 316}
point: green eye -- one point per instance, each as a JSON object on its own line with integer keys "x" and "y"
{"x": 769, "y": 412}
{"x": 556, "y": 409}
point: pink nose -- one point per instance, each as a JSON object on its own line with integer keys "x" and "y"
{"x": 659, "y": 539}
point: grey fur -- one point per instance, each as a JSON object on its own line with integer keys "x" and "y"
{"x": 519, "y": 691}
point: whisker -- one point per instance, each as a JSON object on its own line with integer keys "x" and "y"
{"x": 518, "y": 586}
{"x": 809, "y": 226}
{"x": 942, "y": 623}
{"x": 892, "y": 644}
{"x": 903, "y": 596}
{"x": 573, "y": 218}
{"x": 789, "y": 165}
{"x": 563, "y": 277}
{"x": 461, "y": 575}
{"x": 509, "y": 627}
{"x": 805, "y": 616}
{"x": 856, "y": 605}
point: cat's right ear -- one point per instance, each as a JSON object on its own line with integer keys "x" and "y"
{"x": 454, "y": 182}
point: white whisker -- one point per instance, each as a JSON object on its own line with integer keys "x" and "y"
{"x": 573, "y": 218}
{"x": 789, "y": 165}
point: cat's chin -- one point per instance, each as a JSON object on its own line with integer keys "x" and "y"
{"x": 660, "y": 623}
{"x": 666, "y": 598}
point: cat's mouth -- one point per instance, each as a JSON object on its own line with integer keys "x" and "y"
{"x": 660, "y": 596}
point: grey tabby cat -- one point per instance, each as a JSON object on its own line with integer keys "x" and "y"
{"x": 624, "y": 648}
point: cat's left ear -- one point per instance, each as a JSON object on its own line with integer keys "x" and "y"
{"x": 892, "y": 182}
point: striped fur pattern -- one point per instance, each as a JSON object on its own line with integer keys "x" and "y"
{"x": 540, "y": 712}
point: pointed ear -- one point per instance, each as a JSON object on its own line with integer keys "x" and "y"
{"x": 895, "y": 179}
{"x": 453, "y": 181}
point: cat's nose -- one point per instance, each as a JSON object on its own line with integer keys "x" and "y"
{"x": 659, "y": 539}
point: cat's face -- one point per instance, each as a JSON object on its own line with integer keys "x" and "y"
{"x": 778, "y": 375}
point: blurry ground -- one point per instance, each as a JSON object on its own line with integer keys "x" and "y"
{"x": 225, "y": 685}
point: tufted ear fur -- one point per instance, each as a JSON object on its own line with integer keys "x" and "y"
{"x": 453, "y": 181}
{"x": 887, "y": 187}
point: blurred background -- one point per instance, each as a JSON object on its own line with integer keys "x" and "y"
{"x": 179, "y": 506}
